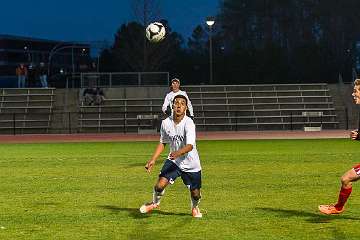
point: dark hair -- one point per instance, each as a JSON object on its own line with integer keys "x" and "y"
{"x": 180, "y": 96}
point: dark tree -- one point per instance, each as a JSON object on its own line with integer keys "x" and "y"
{"x": 292, "y": 40}
{"x": 126, "y": 54}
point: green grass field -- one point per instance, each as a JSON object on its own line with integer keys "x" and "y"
{"x": 253, "y": 189}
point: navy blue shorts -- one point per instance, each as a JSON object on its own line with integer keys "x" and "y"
{"x": 171, "y": 171}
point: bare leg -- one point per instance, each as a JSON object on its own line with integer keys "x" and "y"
{"x": 159, "y": 189}
{"x": 195, "y": 200}
{"x": 349, "y": 177}
{"x": 346, "y": 188}
{"x": 195, "y": 197}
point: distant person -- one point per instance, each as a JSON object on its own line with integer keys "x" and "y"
{"x": 183, "y": 160}
{"x": 21, "y": 73}
{"x": 32, "y": 75}
{"x": 93, "y": 96}
{"x": 351, "y": 175}
{"x": 43, "y": 75}
{"x": 175, "y": 90}
{"x": 88, "y": 96}
{"x": 99, "y": 96}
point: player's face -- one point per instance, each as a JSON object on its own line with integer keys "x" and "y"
{"x": 175, "y": 85}
{"x": 179, "y": 106}
{"x": 356, "y": 94}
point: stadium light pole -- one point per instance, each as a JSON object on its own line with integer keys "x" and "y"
{"x": 58, "y": 48}
{"x": 210, "y": 21}
{"x": 27, "y": 54}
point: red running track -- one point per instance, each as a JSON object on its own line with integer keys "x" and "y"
{"x": 118, "y": 137}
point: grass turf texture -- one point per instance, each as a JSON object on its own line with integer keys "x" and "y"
{"x": 255, "y": 189}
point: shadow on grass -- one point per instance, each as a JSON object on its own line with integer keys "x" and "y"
{"x": 311, "y": 217}
{"x": 135, "y": 213}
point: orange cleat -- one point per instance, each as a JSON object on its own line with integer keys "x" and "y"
{"x": 148, "y": 207}
{"x": 196, "y": 212}
{"x": 330, "y": 209}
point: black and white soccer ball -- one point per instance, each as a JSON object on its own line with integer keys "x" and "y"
{"x": 155, "y": 32}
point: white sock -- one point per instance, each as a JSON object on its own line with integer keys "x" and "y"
{"x": 157, "y": 196}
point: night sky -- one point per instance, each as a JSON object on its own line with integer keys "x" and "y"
{"x": 93, "y": 20}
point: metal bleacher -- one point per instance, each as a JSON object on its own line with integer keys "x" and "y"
{"x": 222, "y": 108}
{"x": 121, "y": 115}
{"x": 26, "y": 110}
{"x": 263, "y": 107}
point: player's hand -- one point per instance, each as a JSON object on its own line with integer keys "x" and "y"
{"x": 149, "y": 165}
{"x": 174, "y": 155}
{"x": 354, "y": 135}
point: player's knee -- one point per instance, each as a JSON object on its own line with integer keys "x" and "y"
{"x": 345, "y": 180}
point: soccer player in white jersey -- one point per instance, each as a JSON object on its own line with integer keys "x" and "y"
{"x": 183, "y": 160}
{"x": 175, "y": 90}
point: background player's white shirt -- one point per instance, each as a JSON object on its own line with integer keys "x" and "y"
{"x": 170, "y": 97}
{"x": 178, "y": 136}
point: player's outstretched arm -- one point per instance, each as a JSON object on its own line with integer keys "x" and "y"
{"x": 354, "y": 134}
{"x": 189, "y": 105}
{"x": 165, "y": 104}
{"x": 187, "y": 148}
{"x": 150, "y": 164}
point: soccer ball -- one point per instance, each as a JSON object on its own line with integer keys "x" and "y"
{"x": 155, "y": 32}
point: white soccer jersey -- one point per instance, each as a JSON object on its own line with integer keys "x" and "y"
{"x": 178, "y": 136}
{"x": 170, "y": 97}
